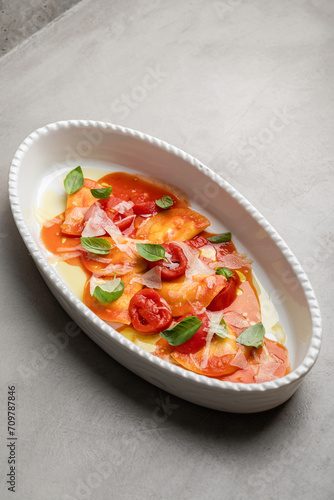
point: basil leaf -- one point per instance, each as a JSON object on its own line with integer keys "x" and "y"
{"x": 220, "y": 238}
{"x": 101, "y": 194}
{"x": 74, "y": 181}
{"x": 222, "y": 332}
{"x": 164, "y": 202}
{"x": 252, "y": 336}
{"x": 182, "y": 331}
{"x": 151, "y": 251}
{"x": 105, "y": 297}
{"x": 95, "y": 245}
{"x": 224, "y": 271}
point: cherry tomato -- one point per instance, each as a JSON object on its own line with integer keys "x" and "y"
{"x": 123, "y": 221}
{"x": 198, "y": 340}
{"x": 177, "y": 257}
{"x": 144, "y": 205}
{"x": 227, "y": 295}
{"x": 145, "y": 208}
{"x": 149, "y": 312}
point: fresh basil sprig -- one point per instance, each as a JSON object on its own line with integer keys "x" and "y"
{"x": 151, "y": 251}
{"x": 224, "y": 271}
{"x": 182, "y": 331}
{"x": 106, "y": 293}
{"x": 74, "y": 181}
{"x": 252, "y": 336}
{"x": 102, "y": 193}
{"x": 164, "y": 202}
{"x": 95, "y": 245}
{"x": 220, "y": 238}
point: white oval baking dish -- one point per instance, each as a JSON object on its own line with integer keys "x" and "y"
{"x": 56, "y": 148}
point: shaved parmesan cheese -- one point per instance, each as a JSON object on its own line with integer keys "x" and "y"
{"x": 112, "y": 229}
{"x": 125, "y": 245}
{"x": 114, "y": 268}
{"x": 266, "y": 371}
{"x": 131, "y": 228}
{"x": 240, "y": 360}
{"x": 70, "y": 249}
{"x": 236, "y": 319}
{"x": 195, "y": 264}
{"x": 206, "y": 352}
{"x": 98, "y": 258}
{"x": 75, "y": 215}
{"x": 170, "y": 264}
{"x": 66, "y": 256}
{"x": 94, "y": 282}
{"x": 208, "y": 252}
{"x": 53, "y": 221}
{"x": 107, "y": 286}
{"x": 215, "y": 318}
{"x": 99, "y": 223}
{"x": 151, "y": 279}
{"x": 123, "y": 206}
{"x": 234, "y": 260}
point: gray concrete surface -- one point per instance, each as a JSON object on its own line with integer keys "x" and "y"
{"x": 19, "y": 19}
{"x": 87, "y": 428}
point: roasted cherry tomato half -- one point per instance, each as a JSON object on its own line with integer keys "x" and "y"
{"x": 168, "y": 271}
{"x": 144, "y": 205}
{"x": 145, "y": 208}
{"x": 149, "y": 312}
{"x": 227, "y": 295}
{"x": 123, "y": 221}
{"x": 198, "y": 340}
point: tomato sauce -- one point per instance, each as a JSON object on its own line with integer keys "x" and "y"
{"x": 134, "y": 188}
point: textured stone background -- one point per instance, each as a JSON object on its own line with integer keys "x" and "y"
{"x": 19, "y": 19}
{"x": 87, "y": 427}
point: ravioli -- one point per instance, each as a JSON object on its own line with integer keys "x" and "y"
{"x": 190, "y": 296}
{"x": 176, "y": 224}
{"x": 117, "y": 261}
{"x": 214, "y": 360}
{"x": 76, "y": 207}
{"x": 118, "y": 310}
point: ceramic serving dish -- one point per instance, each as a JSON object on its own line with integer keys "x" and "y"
{"x": 41, "y": 163}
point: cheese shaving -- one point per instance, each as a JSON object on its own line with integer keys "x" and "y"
{"x": 195, "y": 264}
{"x": 215, "y": 318}
{"x": 208, "y": 252}
{"x": 206, "y": 352}
{"x": 131, "y": 228}
{"x": 107, "y": 286}
{"x": 70, "y": 249}
{"x": 66, "y": 256}
{"x": 99, "y": 223}
{"x": 234, "y": 260}
{"x": 53, "y": 221}
{"x": 240, "y": 360}
{"x": 114, "y": 268}
{"x": 151, "y": 279}
{"x": 123, "y": 206}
